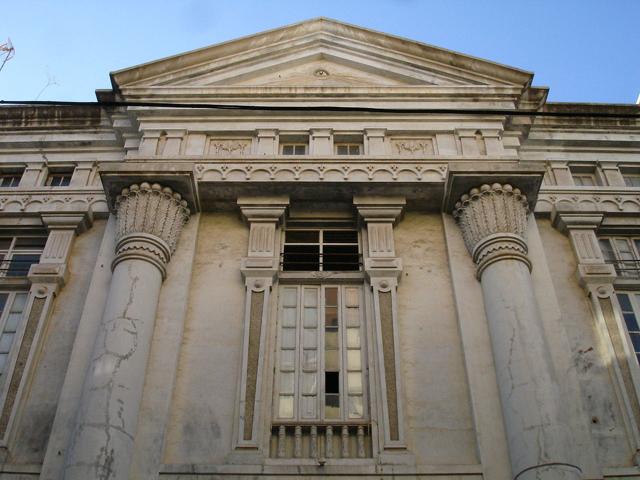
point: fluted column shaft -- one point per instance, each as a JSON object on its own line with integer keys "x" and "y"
{"x": 493, "y": 219}
{"x": 150, "y": 219}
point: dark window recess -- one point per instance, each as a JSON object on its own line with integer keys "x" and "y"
{"x": 332, "y": 389}
{"x": 19, "y": 264}
{"x": 10, "y": 180}
{"x": 59, "y": 179}
{"x": 294, "y": 149}
{"x": 315, "y": 250}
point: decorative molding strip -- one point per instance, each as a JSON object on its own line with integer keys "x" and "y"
{"x": 43, "y": 201}
{"x": 320, "y": 171}
{"x": 598, "y": 200}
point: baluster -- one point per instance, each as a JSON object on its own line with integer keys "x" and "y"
{"x": 345, "y": 441}
{"x": 361, "y": 442}
{"x": 281, "y": 441}
{"x": 328, "y": 449}
{"x": 313, "y": 446}
{"x": 297, "y": 446}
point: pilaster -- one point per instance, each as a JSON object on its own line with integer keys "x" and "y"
{"x": 259, "y": 269}
{"x": 375, "y": 141}
{"x": 320, "y": 141}
{"x": 267, "y": 142}
{"x": 581, "y": 229}
{"x": 383, "y": 269}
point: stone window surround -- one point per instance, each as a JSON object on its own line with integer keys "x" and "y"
{"x": 43, "y": 282}
{"x": 601, "y": 283}
{"x": 261, "y": 272}
{"x": 559, "y": 173}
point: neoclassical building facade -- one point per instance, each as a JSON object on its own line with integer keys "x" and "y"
{"x": 320, "y": 251}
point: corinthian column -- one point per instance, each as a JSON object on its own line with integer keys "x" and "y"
{"x": 493, "y": 219}
{"x": 150, "y": 219}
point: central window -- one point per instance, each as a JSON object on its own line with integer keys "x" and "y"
{"x": 320, "y": 354}
{"x": 320, "y": 250}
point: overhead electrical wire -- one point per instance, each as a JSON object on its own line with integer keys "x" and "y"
{"x": 336, "y": 108}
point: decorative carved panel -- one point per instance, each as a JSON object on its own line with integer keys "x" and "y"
{"x": 229, "y": 147}
{"x": 412, "y": 146}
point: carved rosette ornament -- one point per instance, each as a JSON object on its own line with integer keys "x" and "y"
{"x": 150, "y": 219}
{"x": 493, "y": 220}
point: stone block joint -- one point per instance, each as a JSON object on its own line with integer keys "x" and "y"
{"x": 493, "y": 220}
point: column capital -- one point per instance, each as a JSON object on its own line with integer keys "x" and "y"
{"x": 493, "y": 220}
{"x": 150, "y": 220}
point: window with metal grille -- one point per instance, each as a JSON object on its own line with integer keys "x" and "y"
{"x": 17, "y": 254}
{"x": 320, "y": 250}
{"x": 623, "y": 253}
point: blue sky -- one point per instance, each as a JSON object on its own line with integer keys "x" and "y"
{"x": 584, "y": 50}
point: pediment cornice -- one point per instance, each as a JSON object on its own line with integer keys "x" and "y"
{"x": 356, "y": 54}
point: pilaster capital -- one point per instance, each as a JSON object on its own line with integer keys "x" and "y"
{"x": 378, "y": 208}
{"x": 575, "y": 221}
{"x": 493, "y": 220}
{"x": 263, "y": 208}
{"x": 150, "y": 220}
{"x": 77, "y": 221}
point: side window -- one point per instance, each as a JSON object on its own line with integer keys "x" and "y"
{"x": 630, "y": 309}
{"x": 12, "y": 306}
{"x": 17, "y": 254}
{"x": 623, "y": 253}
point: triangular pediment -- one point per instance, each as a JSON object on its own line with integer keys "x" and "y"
{"x": 320, "y": 53}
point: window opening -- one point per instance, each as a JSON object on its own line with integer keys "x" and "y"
{"x": 320, "y": 374}
{"x": 631, "y": 180}
{"x": 59, "y": 179}
{"x": 11, "y": 310}
{"x": 17, "y": 254}
{"x": 623, "y": 253}
{"x": 629, "y": 304}
{"x": 10, "y": 179}
{"x": 294, "y": 149}
{"x": 348, "y": 148}
{"x": 320, "y": 250}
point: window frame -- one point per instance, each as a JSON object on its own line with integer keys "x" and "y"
{"x": 634, "y": 300}
{"x": 349, "y": 146}
{"x": 294, "y": 146}
{"x": 321, "y": 243}
{"x": 7, "y": 255}
{"x": 320, "y": 372}
{"x": 619, "y": 261}
{"x": 16, "y": 178}
{"x": 64, "y": 176}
